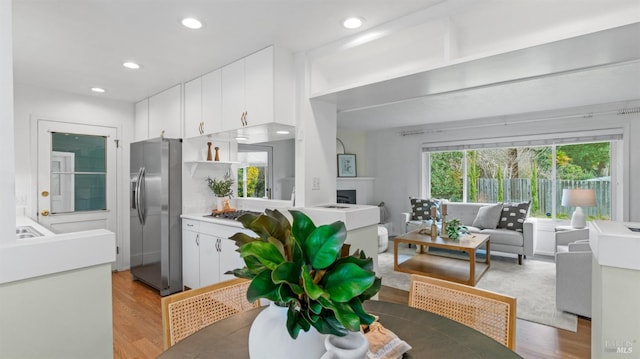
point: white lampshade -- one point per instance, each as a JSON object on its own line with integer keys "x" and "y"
{"x": 578, "y": 198}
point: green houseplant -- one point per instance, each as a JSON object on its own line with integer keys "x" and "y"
{"x": 455, "y": 229}
{"x": 221, "y": 187}
{"x": 299, "y": 266}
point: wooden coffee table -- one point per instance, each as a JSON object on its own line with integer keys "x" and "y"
{"x": 462, "y": 270}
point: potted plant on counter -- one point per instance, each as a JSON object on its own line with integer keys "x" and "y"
{"x": 222, "y": 189}
{"x": 313, "y": 288}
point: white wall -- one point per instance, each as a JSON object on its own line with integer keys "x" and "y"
{"x": 31, "y": 102}
{"x": 315, "y": 143}
{"x": 397, "y": 168}
{"x": 355, "y": 142}
{"x": 7, "y": 178}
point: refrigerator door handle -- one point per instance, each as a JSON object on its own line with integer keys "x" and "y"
{"x": 143, "y": 198}
{"x": 139, "y": 195}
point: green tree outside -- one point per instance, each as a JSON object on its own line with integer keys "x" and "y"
{"x": 500, "y": 185}
{"x": 255, "y": 184}
{"x": 474, "y": 174}
{"x": 535, "y": 202}
{"x": 446, "y": 175}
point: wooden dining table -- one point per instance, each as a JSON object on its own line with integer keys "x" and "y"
{"x": 430, "y": 336}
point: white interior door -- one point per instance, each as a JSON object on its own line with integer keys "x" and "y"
{"x": 76, "y": 177}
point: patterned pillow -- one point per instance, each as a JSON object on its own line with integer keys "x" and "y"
{"x": 421, "y": 209}
{"x": 513, "y": 216}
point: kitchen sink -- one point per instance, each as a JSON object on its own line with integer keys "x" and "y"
{"x": 23, "y": 232}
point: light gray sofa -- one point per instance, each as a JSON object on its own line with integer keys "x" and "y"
{"x": 502, "y": 240}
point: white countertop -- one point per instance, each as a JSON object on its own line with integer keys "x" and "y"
{"x": 613, "y": 244}
{"x": 204, "y": 218}
{"x": 54, "y": 253}
{"x": 354, "y": 216}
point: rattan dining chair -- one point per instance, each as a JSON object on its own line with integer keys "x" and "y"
{"x": 488, "y": 312}
{"x": 187, "y": 312}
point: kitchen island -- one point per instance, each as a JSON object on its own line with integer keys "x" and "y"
{"x": 208, "y": 253}
{"x": 56, "y": 287}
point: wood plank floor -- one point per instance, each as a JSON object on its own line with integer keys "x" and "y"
{"x": 137, "y": 326}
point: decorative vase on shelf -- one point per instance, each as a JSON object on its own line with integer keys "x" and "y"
{"x": 269, "y": 338}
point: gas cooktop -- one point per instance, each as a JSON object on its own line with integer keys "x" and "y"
{"x": 233, "y": 215}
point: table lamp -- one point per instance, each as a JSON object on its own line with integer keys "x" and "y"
{"x": 578, "y": 198}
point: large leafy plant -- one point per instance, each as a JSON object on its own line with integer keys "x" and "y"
{"x": 299, "y": 266}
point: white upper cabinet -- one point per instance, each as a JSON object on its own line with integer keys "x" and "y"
{"x": 212, "y": 102}
{"x": 165, "y": 116}
{"x": 142, "y": 121}
{"x": 258, "y": 89}
{"x": 193, "y": 123}
{"x": 233, "y": 107}
{"x": 203, "y": 105}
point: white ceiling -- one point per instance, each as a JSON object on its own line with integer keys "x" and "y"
{"x": 596, "y": 68}
{"x": 73, "y": 45}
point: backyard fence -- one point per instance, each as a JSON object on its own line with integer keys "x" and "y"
{"x": 519, "y": 190}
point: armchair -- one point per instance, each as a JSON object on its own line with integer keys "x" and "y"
{"x": 566, "y": 236}
{"x": 573, "y": 278}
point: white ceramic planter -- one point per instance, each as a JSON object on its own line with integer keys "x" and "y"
{"x": 269, "y": 338}
{"x": 351, "y": 346}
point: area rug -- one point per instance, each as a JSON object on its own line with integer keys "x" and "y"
{"x": 533, "y": 284}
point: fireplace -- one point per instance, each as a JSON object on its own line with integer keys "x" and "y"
{"x": 346, "y": 196}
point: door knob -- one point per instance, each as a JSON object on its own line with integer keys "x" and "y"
{"x": 44, "y": 212}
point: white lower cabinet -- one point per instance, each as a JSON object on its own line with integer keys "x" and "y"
{"x": 207, "y": 253}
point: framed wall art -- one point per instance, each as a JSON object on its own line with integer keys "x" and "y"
{"x": 346, "y": 165}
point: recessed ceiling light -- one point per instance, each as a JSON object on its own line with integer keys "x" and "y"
{"x": 131, "y": 65}
{"x": 192, "y": 23}
{"x": 282, "y": 132}
{"x": 353, "y": 22}
{"x": 97, "y": 89}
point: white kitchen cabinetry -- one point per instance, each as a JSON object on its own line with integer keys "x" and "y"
{"x": 165, "y": 113}
{"x": 142, "y": 121}
{"x": 190, "y": 254}
{"x": 258, "y": 89}
{"x": 212, "y": 102}
{"x": 203, "y": 105}
{"x": 193, "y": 122}
{"x": 207, "y": 253}
{"x": 233, "y": 108}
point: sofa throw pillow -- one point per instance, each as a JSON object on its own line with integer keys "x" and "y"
{"x": 421, "y": 209}
{"x": 513, "y": 216}
{"x": 488, "y": 216}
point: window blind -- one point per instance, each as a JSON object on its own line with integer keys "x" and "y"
{"x": 558, "y": 138}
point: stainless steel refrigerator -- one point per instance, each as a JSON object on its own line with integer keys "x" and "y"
{"x": 155, "y": 208}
